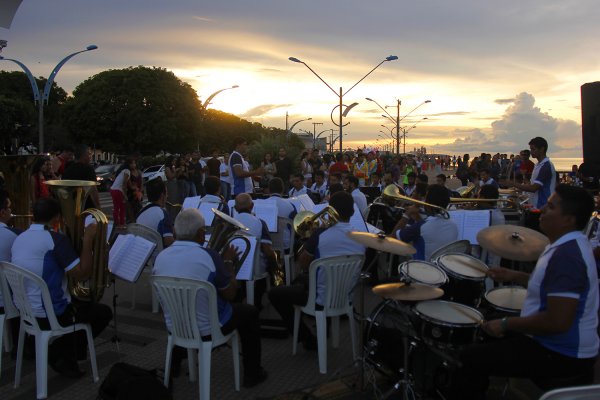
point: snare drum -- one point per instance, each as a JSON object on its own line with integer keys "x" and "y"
{"x": 506, "y": 299}
{"x": 466, "y": 276}
{"x": 447, "y": 323}
{"x": 423, "y": 272}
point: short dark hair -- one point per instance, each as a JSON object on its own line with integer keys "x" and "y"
{"x": 539, "y": 142}
{"x": 526, "y": 152}
{"x": 486, "y": 170}
{"x": 319, "y": 173}
{"x": 421, "y": 189}
{"x": 575, "y": 201}
{"x": 80, "y": 151}
{"x": 489, "y": 192}
{"x": 409, "y": 175}
{"x": 353, "y": 180}
{"x": 438, "y": 196}
{"x": 45, "y": 208}
{"x": 336, "y": 187}
{"x": 276, "y": 185}
{"x": 442, "y": 177}
{"x": 339, "y": 157}
{"x": 3, "y": 199}
{"x": 155, "y": 188}
{"x": 343, "y": 204}
{"x": 423, "y": 178}
{"x": 338, "y": 176}
{"x": 376, "y": 174}
{"x": 212, "y": 184}
{"x": 299, "y": 176}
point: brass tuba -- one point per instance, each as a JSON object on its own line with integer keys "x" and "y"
{"x": 17, "y": 173}
{"x": 305, "y": 222}
{"x": 71, "y": 195}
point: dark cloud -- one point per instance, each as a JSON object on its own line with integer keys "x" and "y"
{"x": 261, "y": 110}
{"x": 449, "y": 113}
{"x": 504, "y": 101}
{"x": 269, "y": 70}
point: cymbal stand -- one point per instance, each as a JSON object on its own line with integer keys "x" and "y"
{"x": 406, "y": 384}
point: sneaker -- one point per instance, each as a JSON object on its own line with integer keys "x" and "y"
{"x": 251, "y": 381}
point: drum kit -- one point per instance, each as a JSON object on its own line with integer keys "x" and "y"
{"x": 438, "y": 307}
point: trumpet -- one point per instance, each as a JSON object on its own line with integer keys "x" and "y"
{"x": 305, "y": 222}
{"x": 391, "y": 193}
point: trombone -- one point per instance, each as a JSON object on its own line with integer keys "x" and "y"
{"x": 392, "y": 193}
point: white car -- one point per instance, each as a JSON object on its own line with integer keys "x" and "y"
{"x": 154, "y": 172}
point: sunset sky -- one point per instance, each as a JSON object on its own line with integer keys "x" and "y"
{"x": 497, "y": 73}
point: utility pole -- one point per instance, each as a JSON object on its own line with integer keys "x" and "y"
{"x": 315, "y": 133}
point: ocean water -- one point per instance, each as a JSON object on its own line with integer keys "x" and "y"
{"x": 565, "y": 164}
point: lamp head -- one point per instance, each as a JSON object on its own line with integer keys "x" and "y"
{"x": 427, "y": 101}
{"x": 308, "y": 119}
{"x": 235, "y": 87}
{"x": 294, "y": 59}
{"x": 367, "y": 98}
{"x": 91, "y": 47}
{"x": 391, "y": 58}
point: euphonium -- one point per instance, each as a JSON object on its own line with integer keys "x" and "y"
{"x": 391, "y": 193}
{"x": 17, "y": 172}
{"x": 305, "y": 222}
{"x": 224, "y": 230}
{"x": 71, "y": 195}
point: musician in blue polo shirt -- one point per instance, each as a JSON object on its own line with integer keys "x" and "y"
{"x": 186, "y": 258}
{"x": 555, "y": 336}
{"x": 7, "y": 234}
{"x": 154, "y": 215}
{"x": 323, "y": 243}
{"x": 51, "y": 256}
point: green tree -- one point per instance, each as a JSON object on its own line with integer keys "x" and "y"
{"x": 19, "y": 117}
{"x": 137, "y": 108}
{"x": 270, "y": 142}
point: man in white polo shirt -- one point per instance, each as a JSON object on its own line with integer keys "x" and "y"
{"x": 154, "y": 215}
{"x": 7, "y": 234}
{"x": 51, "y": 256}
{"x": 186, "y": 258}
{"x": 323, "y": 243}
{"x": 555, "y": 336}
{"x": 351, "y": 186}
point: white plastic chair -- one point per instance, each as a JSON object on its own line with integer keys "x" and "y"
{"x": 283, "y": 225}
{"x": 256, "y": 276}
{"x": 153, "y": 236}
{"x": 460, "y": 246}
{"x": 10, "y": 311}
{"x": 341, "y": 275}
{"x": 16, "y": 278}
{"x": 178, "y": 297}
{"x": 591, "y": 392}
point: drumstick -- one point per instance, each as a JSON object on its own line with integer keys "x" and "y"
{"x": 478, "y": 267}
{"x": 464, "y": 312}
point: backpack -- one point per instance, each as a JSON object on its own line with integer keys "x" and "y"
{"x": 126, "y": 381}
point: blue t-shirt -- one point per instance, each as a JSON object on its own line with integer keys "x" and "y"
{"x": 544, "y": 175}
{"x": 49, "y": 255}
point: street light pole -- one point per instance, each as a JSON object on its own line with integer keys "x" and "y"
{"x": 341, "y": 94}
{"x": 315, "y": 132}
{"x": 41, "y": 97}
{"x": 296, "y": 123}
{"x": 207, "y": 103}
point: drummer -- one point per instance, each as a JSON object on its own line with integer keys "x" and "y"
{"x": 555, "y": 336}
{"x": 430, "y": 232}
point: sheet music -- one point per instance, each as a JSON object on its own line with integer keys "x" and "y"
{"x": 267, "y": 211}
{"x": 191, "y": 202}
{"x": 306, "y": 201}
{"x": 470, "y": 222}
{"x": 246, "y": 271}
{"x": 207, "y": 212}
{"x": 128, "y": 256}
{"x": 298, "y": 204}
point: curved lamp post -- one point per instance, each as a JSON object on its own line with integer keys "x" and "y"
{"x": 212, "y": 96}
{"x": 396, "y": 120}
{"x": 341, "y": 94}
{"x": 41, "y": 97}
{"x": 296, "y": 123}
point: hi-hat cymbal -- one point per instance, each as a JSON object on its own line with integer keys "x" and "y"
{"x": 403, "y": 292}
{"x": 513, "y": 242}
{"x": 382, "y": 243}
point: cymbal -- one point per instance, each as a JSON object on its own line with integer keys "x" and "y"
{"x": 382, "y": 243}
{"x": 513, "y": 242}
{"x": 403, "y": 292}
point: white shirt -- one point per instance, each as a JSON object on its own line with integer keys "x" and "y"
{"x": 297, "y": 192}
{"x": 361, "y": 201}
{"x": 285, "y": 209}
{"x": 222, "y": 169}
{"x": 118, "y": 183}
{"x": 321, "y": 190}
{"x": 258, "y": 228}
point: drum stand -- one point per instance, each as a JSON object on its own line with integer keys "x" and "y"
{"x": 406, "y": 384}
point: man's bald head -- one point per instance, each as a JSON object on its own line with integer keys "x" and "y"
{"x": 243, "y": 202}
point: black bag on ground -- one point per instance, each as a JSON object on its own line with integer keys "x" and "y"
{"x": 126, "y": 381}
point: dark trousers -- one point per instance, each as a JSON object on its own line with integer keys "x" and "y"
{"x": 284, "y": 298}
{"x": 518, "y": 356}
{"x": 73, "y": 345}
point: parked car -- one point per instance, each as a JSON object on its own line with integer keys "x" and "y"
{"x": 105, "y": 176}
{"x": 153, "y": 172}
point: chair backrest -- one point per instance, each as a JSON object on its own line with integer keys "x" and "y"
{"x": 18, "y": 279}
{"x": 460, "y": 246}
{"x": 574, "y": 393}
{"x": 179, "y": 297}
{"x": 10, "y": 310}
{"x": 283, "y": 225}
{"x": 148, "y": 234}
{"x": 341, "y": 275}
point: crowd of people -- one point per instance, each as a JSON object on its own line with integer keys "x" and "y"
{"x": 554, "y": 336}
